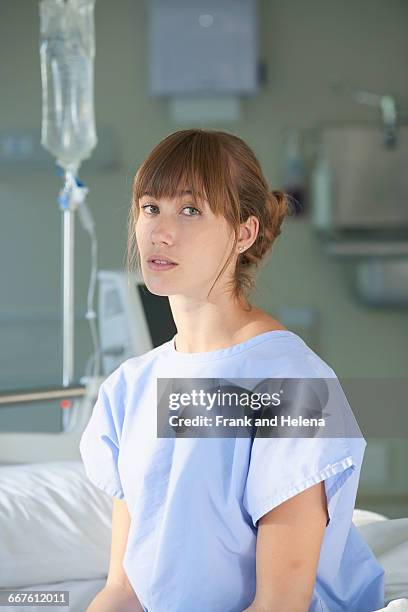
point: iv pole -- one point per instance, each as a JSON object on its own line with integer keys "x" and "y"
{"x": 69, "y": 198}
{"x": 68, "y": 296}
{"x": 68, "y": 132}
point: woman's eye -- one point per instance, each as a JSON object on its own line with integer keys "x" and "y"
{"x": 185, "y": 207}
{"x": 192, "y": 208}
{"x": 148, "y": 206}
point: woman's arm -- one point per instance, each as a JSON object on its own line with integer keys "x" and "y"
{"x": 287, "y": 552}
{"x": 115, "y": 599}
{"x": 117, "y": 594}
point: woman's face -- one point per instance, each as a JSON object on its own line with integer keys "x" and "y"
{"x": 188, "y": 234}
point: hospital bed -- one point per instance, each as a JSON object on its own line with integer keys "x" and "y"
{"x": 55, "y": 535}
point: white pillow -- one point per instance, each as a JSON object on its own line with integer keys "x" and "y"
{"x": 389, "y": 542}
{"x": 55, "y": 524}
{"x": 398, "y": 605}
{"x": 362, "y": 517}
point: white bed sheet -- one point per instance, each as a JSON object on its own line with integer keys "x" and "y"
{"x": 389, "y": 542}
{"x": 82, "y": 592}
{"x": 398, "y": 605}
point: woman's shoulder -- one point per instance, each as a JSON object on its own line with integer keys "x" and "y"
{"x": 290, "y": 344}
{"x": 296, "y": 356}
{"x": 314, "y": 361}
{"x": 299, "y": 353}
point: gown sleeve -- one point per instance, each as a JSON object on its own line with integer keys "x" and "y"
{"x": 282, "y": 467}
{"x": 99, "y": 444}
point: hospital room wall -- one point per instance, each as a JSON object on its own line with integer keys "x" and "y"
{"x": 303, "y": 45}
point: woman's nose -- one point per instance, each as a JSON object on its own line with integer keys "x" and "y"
{"x": 162, "y": 232}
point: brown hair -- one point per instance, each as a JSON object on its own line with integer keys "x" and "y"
{"x": 223, "y": 169}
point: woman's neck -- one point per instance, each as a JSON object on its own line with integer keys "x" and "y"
{"x": 208, "y": 327}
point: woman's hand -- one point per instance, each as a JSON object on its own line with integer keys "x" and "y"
{"x": 111, "y": 599}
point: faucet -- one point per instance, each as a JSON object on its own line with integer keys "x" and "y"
{"x": 385, "y": 102}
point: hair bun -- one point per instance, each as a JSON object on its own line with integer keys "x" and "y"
{"x": 279, "y": 207}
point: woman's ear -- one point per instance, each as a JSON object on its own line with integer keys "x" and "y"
{"x": 249, "y": 231}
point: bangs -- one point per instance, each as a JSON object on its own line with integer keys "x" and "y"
{"x": 187, "y": 161}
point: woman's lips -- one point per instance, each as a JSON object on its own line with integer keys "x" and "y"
{"x": 160, "y": 267}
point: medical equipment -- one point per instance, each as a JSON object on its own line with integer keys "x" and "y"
{"x": 132, "y": 320}
{"x": 67, "y": 49}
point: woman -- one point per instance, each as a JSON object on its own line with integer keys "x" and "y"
{"x": 220, "y": 524}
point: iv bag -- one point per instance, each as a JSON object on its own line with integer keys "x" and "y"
{"x": 67, "y": 51}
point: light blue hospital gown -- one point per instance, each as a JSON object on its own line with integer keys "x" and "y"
{"x": 194, "y": 502}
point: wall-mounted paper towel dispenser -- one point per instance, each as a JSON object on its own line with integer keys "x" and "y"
{"x": 203, "y": 56}
{"x": 198, "y": 46}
